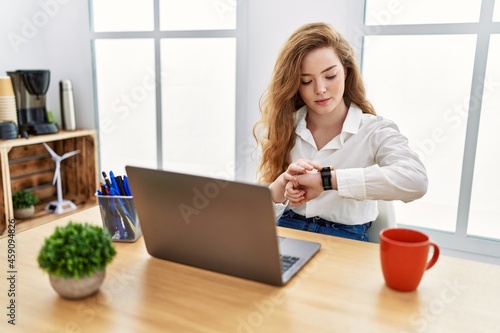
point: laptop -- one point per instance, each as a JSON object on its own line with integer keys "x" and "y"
{"x": 215, "y": 224}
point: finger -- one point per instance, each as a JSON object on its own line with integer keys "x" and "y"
{"x": 306, "y": 164}
{"x": 294, "y": 203}
{"x": 309, "y": 165}
{"x": 294, "y": 195}
{"x": 293, "y": 187}
{"x": 316, "y": 166}
{"x": 295, "y": 169}
{"x": 298, "y": 203}
{"x": 288, "y": 177}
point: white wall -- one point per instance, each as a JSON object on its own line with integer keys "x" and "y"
{"x": 54, "y": 35}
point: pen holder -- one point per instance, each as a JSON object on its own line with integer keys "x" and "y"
{"x": 119, "y": 217}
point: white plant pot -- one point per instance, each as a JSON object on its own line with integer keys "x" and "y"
{"x": 24, "y": 213}
{"x": 77, "y": 288}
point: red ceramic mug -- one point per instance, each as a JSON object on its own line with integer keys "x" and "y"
{"x": 404, "y": 256}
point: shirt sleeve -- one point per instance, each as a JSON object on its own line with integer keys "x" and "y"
{"x": 397, "y": 174}
{"x": 279, "y": 208}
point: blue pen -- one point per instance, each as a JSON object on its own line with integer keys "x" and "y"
{"x": 116, "y": 217}
{"x": 114, "y": 184}
{"x": 123, "y": 212}
{"x": 127, "y": 187}
{"x": 129, "y": 225}
{"x": 126, "y": 201}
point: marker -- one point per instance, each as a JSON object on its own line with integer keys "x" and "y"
{"x": 119, "y": 181}
{"x": 104, "y": 189}
{"x": 106, "y": 179}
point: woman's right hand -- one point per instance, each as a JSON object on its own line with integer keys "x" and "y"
{"x": 300, "y": 167}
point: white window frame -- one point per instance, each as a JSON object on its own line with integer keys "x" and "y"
{"x": 459, "y": 243}
{"x": 157, "y": 35}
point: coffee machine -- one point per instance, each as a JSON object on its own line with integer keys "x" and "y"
{"x": 30, "y": 87}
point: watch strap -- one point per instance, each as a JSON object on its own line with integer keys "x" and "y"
{"x": 326, "y": 178}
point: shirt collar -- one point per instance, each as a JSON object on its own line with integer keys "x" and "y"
{"x": 301, "y": 126}
{"x": 351, "y": 126}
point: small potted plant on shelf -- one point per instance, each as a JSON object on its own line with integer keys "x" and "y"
{"x": 24, "y": 203}
{"x": 75, "y": 256}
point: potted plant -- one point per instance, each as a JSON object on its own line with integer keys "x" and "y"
{"x": 75, "y": 256}
{"x": 24, "y": 203}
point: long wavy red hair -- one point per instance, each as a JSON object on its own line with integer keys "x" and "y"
{"x": 275, "y": 131}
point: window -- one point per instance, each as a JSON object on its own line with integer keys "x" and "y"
{"x": 165, "y": 83}
{"x": 484, "y": 218}
{"x": 125, "y": 80}
{"x": 391, "y": 12}
{"x": 434, "y": 72}
{"x": 198, "y": 103}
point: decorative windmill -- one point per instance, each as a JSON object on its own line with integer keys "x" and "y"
{"x": 60, "y": 206}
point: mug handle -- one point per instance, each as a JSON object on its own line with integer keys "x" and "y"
{"x": 435, "y": 255}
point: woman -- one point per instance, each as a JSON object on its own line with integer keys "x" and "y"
{"x": 325, "y": 153}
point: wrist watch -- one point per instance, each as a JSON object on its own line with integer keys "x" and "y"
{"x": 326, "y": 178}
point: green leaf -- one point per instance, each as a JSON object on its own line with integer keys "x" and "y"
{"x": 76, "y": 250}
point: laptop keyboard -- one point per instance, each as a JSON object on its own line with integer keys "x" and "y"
{"x": 287, "y": 262}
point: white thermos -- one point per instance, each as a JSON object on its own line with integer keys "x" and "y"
{"x": 67, "y": 105}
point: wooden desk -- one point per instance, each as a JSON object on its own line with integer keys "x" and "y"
{"x": 341, "y": 290}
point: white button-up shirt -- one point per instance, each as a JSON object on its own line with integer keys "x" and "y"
{"x": 372, "y": 161}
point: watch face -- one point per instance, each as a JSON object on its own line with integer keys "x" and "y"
{"x": 326, "y": 178}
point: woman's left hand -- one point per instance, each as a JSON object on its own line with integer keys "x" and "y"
{"x": 308, "y": 185}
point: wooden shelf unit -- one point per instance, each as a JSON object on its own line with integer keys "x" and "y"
{"x": 26, "y": 164}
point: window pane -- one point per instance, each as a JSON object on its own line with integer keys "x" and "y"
{"x": 496, "y": 12}
{"x": 123, "y": 15}
{"x": 423, "y": 84}
{"x": 198, "y": 94}
{"x": 197, "y": 14}
{"x": 126, "y": 103}
{"x": 484, "y": 216}
{"x": 385, "y": 12}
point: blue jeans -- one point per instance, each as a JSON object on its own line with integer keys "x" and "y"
{"x": 290, "y": 219}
